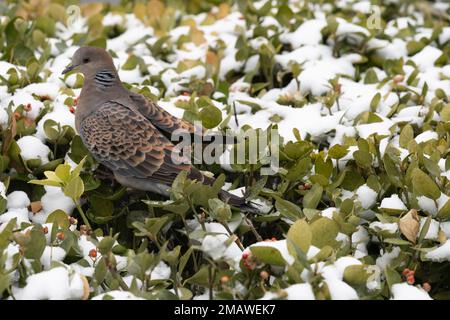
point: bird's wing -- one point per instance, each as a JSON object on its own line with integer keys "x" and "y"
{"x": 162, "y": 119}
{"x": 128, "y": 143}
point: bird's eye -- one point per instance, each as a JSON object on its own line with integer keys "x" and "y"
{"x": 85, "y": 60}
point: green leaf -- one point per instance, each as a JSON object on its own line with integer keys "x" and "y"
{"x": 131, "y": 63}
{"x": 4, "y": 283}
{"x": 76, "y": 172}
{"x": 105, "y": 245}
{"x": 288, "y": 209}
{"x": 444, "y": 212}
{"x": 74, "y": 189}
{"x": 392, "y": 171}
{"x": 34, "y": 247}
{"x": 398, "y": 242}
{"x": 45, "y": 182}
{"x": 324, "y": 232}
{"x": 375, "y": 102}
{"x": 424, "y": 185}
{"x": 356, "y": 275}
{"x": 210, "y": 116}
{"x": 299, "y": 149}
{"x": 337, "y": 151}
{"x": 424, "y": 230}
{"x": 299, "y": 170}
{"x": 414, "y": 47}
{"x": 63, "y": 172}
{"x": 78, "y": 150}
{"x": 4, "y": 163}
{"x": 284, "y": 15}
{"x": 201, "y": 278}
{"x": 406, "y": 135}
{"x": 323, "y": 167}
{"x": 445, "y": 113}
{"x": 184, "y": 260}
{"x": 60, "y": 218}
{"x": 50, "y": 131}
{"x": 220, "y": 210}
{"x": 312, "y": 197}
{"x": 51, "y": 175}
{"x": 100, "y": 270}
{"x": 268, "y": 255}
{"x": 363, "y": 158}
{"x": 300, "y": 234}
{"x": 392, "y": 276}
{"x": 101, "y": 207}
{"x": 371, "y": 77}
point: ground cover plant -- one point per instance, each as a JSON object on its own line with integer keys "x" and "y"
{"x": 360, "y": 205}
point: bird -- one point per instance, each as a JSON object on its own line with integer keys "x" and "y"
{"x": 128, "y": 133}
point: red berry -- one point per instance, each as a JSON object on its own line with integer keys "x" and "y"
{"x": 72, "y": 109}
{"x": 410, "y": 279}
{"x": 410, "y": 273}
{"x": 17, "y": 115}
{"x": 273, "y": 239}
{"x": 224, "y": 279}
{"x": 245, "y": 255}
{"x": 27, "y": 107}
{"x": 45, "y": 229}
{"x": 405, "y": 272}
{"x": 399, "y": 78}
{"x": 93, "y": 253}
{"x": 72, "y": 220}
{"x": 60, "y": 235}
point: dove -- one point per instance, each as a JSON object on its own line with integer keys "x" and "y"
{"x": 128, "y": 133}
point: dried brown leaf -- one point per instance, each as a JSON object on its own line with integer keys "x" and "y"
{"x": 409, "y": 225}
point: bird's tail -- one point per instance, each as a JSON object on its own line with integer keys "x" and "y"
{"x": 238, "y": 202}
{"x": 231, "y": 199}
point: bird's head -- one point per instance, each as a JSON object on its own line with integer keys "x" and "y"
{"x": 89, "y": 60}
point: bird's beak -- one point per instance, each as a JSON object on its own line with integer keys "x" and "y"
{"x": 70, "y": 67}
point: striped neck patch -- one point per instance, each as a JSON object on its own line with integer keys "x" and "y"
{"x": 105, "y": 78}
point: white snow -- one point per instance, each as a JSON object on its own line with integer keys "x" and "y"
{"x": 442, "y": 253}
{"x": 52, "y": 254}
{"x": 404, "y": 291}
{"x": 307, "y": 34}
{"x": 366, "y": 196}
{"x": 393, "y": 202}
{"x": 55, "y": 284}
{"x": 55, "y": 199}
{"x": 32, "y": 148}
{"x": 17, "y": 200}
{"x": 214, "y": 244}
{"x": 116, "y": 295}
{"x": 299, "y": 291}
{"x": 433, "y": 229}
{"x": 426, "y": 57}
{"x": 386, "y": 258}
{"x": 2, "y": 190}
{"x": 380, "y": 226}
{"x": 21, "y": 214}
{"x": 160, "y": 272}
{"x": 426, "y": 135}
